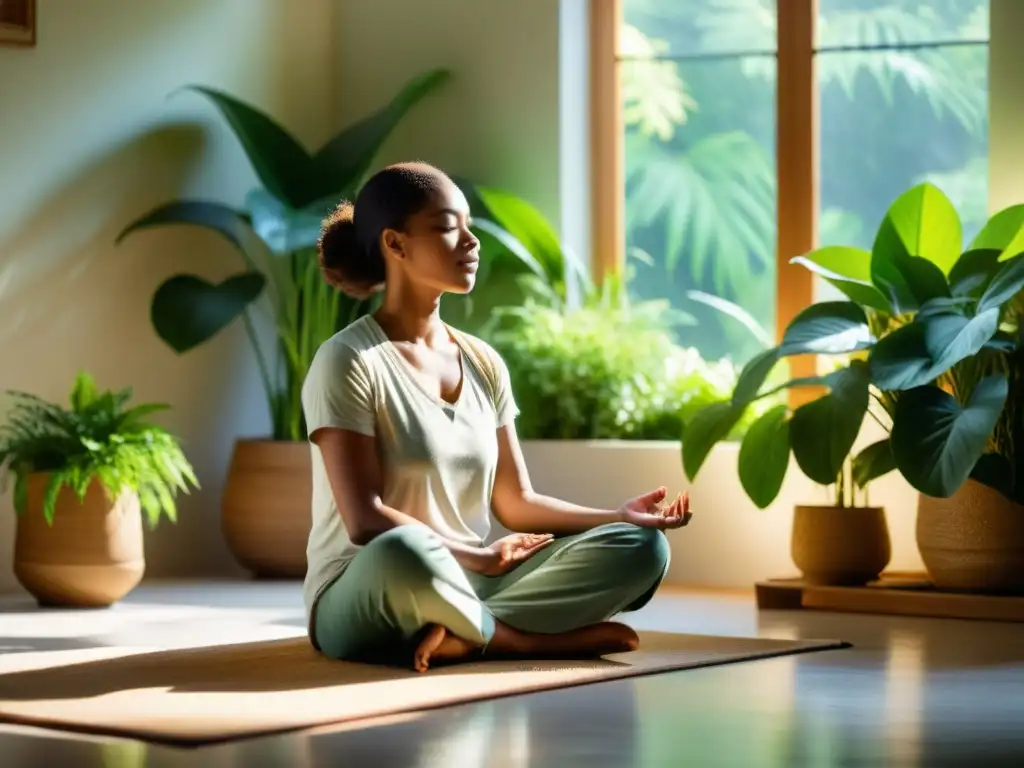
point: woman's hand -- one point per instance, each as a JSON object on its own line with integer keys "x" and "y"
{"x": 647, "y": 511}
{"x": 506, "y": 553}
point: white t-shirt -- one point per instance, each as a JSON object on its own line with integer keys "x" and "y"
{"x": 438, "y": 459}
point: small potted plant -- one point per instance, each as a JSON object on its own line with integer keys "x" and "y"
{"x": 83, "y": 477}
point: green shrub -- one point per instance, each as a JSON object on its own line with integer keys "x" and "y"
{"x": 607, "y": 369}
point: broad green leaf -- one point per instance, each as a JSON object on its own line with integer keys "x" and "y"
{"x": 937, "y": 442}
{"x": 861, "y": 292}
{"x": 1007, "y": 282}
{"x": 1003, "y": 232}
{"x": 282, "y": 165}
{"x": 511, "y": 243}
{"x": 340, "y": 165}
{"x": 873, "y": 462}
{"x": 841, "y": 261}
{"x": 283, "y": 229}
{"x": 527, "y": 225}
{"x": 944, "y": 305}
{"x": 829, "y": 328}
{"x": 764, "y": 456}
{"x": 753, "y": 375}
{"x": 705, "y": 430}
{"x": 920, "y": 222}
{"x": 920, "y": 351}
{"x": 187, "y": 310}
{"x": 822, "y": 432}
{"x": 230, "y": 224}
{"x": 910, "y": 281}
{"x": 973, "y": 272}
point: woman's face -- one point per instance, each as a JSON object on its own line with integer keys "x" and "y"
{"x": 437, "y": 248}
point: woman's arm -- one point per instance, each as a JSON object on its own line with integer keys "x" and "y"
{"x": 354, "y": 472}
{"x": 519, "y": 508}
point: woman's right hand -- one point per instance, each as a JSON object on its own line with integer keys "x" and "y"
{"x": 509, "y": 551}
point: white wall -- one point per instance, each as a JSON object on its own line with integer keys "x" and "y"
{"x": 88, "y": 141}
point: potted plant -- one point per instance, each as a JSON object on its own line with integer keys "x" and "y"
{"x": 266, "y": 502}
{"x": 83, "y": 476}
{"x": 933, "y": 334}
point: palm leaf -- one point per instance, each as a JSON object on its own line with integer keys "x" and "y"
{"x": 717, "y": 200}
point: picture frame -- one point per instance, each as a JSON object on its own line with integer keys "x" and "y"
{"x": 18, "y": 23}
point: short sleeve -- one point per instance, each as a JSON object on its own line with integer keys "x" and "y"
{"x": 337, "y": 391}
{"x": 504, "y": 400}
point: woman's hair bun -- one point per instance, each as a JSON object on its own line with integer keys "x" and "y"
{"x": 345, "y": 264}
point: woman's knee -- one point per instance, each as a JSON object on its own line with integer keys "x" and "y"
{"x": 647, "y": 550}
{"x": 405, "y": 553}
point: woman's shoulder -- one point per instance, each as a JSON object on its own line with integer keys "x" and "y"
{"x": 346, "y": 348}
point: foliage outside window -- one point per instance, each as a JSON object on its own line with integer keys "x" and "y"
{"x": 903, "y": 100}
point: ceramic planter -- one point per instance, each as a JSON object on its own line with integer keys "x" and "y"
{"x": 265, "y": 511}
{"x": 90, "y": 557}
{"x": 972, "y": 541}
{"x": 840, "y": 546}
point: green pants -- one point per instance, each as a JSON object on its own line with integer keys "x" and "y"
{"x": 406, "y": 579}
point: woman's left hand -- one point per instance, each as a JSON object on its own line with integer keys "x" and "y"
{"x": 647, "y": 511}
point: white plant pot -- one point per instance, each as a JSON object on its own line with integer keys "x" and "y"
{"x": 729, "y": 542}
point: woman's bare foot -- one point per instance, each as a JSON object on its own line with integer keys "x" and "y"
{"x": 440, "y": 645}
{"x": 592, "y": 641}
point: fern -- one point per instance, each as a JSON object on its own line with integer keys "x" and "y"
{"x": 97, "y": 438}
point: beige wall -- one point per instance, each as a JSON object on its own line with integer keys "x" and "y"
{"x": 498, "y": 121}
{"x": 89, "y": 140}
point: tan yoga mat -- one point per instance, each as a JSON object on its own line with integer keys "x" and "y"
{"x": 203, "y": 695}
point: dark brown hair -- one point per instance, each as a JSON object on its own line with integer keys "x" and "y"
{"x": 349, "y": 244}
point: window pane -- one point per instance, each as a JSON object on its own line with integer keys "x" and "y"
{"x": 891, "y": 120}
{"x": 871, "y": 23}
{"x": 686, "y": 28}
{"x": 700, "y": 194}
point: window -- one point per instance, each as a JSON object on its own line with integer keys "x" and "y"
{"x": 903, "y": 94}
{"x": 897, "y": 95}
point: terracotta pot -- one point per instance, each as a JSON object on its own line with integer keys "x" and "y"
{"x": 265, "y": 512}
{"x": 840, "y": 546}
{"x": 973, "y": 541}
{"x": 90, "y": 557}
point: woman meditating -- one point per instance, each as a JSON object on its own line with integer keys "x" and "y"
{"x": 414, "y": 448}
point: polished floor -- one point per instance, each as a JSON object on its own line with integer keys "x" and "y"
{"x": 910, "y": 692}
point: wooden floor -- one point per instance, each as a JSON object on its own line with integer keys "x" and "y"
{"x": 911, "y": 692}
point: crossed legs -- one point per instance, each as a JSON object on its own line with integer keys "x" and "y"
{"x": 404, "y": 597}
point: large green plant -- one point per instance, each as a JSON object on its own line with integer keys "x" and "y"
{"x": 96, "y": 438}
{"x": 933, "y": 333}
{"x": 275, "y": 236}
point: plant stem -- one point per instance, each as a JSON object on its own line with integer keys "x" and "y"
{"x": 260, "y": 360}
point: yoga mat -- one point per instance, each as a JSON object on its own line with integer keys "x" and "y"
{"x": 195, "y": 696}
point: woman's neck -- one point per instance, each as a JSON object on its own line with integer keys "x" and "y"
{"x": 410, "y": 315}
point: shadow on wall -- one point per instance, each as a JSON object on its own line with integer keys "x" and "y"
{"x": 71, "y": 299}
